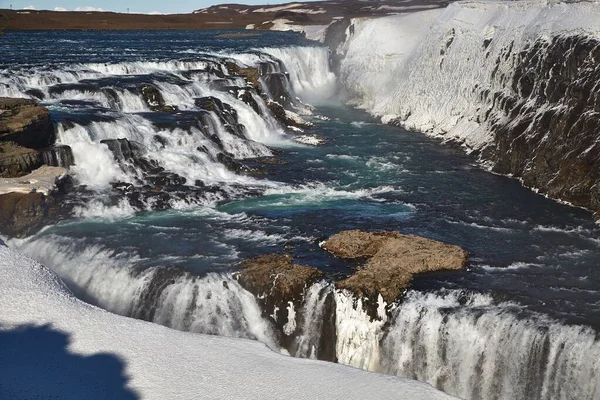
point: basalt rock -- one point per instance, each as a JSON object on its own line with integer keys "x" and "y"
{"x": 288, "y": 118}
{"x": 279, "y": 88}
{"x": 279, "y": 285}
{"x": 553, "y": 105}
{"x": 232, "y": 164}
{"x": 17, "y": 161}
{"x": 251, "y": 74}
{"x": 154, "y": 99}
{"x": 392, "y": 260}
{"x": 26, "y": 123}
{"x": 226, "y": 114}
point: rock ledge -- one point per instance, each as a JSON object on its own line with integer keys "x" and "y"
{"x": 393, "y": 260}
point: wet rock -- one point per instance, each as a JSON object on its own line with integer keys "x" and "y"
{"x": 278, "y": 284}
{"x": 226, "y": 114}
{"x": 251, "y": 74}
{"x": 288, "y": 118}
{"x": 154, "y": 99}
{"x": 279, "y": 88}
{"x": 547, "y": 126}
{"x": 131, "y": 155}
{"x": 270, "y": 161}
{"x": 392, "y": 260}
{"x": 26, "y": 123}
{"x": 17, "y": 161}
{"x": 232, "y": 164}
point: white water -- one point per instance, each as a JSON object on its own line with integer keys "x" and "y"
{"x": 308, "y": 67}
{"x": 215, "y": 304}
{"x": 473, "y": 348}
{"x": 312, "y": 79}
{"x": 465, "y": 344}
{"x": 119, "y": 106}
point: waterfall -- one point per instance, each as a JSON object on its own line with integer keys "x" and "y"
{"x": 214, "y": 304}
{"x": 190, "y": 119}
{"x": 469, "y": 346}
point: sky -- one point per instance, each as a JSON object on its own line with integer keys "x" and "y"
{"x": 140, "y": 6}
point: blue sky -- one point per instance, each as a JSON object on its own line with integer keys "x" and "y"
{"x": 143, "y": 6}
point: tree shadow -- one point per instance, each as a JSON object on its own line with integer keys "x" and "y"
{"x": 35, "y": 363}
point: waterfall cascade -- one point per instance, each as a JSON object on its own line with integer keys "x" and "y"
{"x": 164, "y": 134}
{"x": 190, "y": 121}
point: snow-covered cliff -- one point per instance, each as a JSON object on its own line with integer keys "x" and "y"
{"x": 516, "y": 82}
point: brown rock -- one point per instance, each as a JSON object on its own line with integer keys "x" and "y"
{"x": 26, "y": 123}
{"x": 276, "y": 282}
{"x": 251, "y": 74}
{"x": 16, "y": 161}
{"x": 393, "y": 260}
{"x": 277, "y": 277}
{"x": 24, "y": 213}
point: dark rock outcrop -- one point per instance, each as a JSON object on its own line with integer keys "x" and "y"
{"x": 154, "y": 99}
{"x": 286, "y": 117}
{"x": 226, "y": 114}
{"x": 277, "y": 282}
{"x": 26, "y": 123}
{"x": 393, "y": 259}
{"x": 547, "y": 124}
{"x": 251, "y": 74}
{"x": 279, "y": 88}
{"x": 17, "y": 161}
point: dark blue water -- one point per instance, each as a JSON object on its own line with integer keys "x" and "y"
{"x": 41, "y": 48}
{"x": 523, "y": 247}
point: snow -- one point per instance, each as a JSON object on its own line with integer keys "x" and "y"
{"x": 315, "y": 32}
{"x": 42, "y": 180}
{"x": 275, "y": 9}
{"x": 282, "y": 24}
{"x": 54, "y": 345}
{"x": 425, "y": 77}
{"x": 311, "y": 140}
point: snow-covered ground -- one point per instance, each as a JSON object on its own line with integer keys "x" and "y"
{"x": 42, "y": 180}
{"x": 427, "y": 69}
{"x": 53, "y": 345}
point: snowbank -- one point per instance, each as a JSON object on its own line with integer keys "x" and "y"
{"x": 57, "y": 346}
{"x": 427, "y": 70}
{"x": 42, "y": 180}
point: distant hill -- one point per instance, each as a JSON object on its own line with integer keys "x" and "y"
{"x": 224, "y": 16}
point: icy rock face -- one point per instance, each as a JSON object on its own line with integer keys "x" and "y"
{"x": 280, "y": 287}
{"x": 516, "y": 83}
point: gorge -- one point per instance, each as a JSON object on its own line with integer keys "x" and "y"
{"x": 192, "y": 153}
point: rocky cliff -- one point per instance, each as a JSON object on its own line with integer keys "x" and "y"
{"x": 32, "y": 170}
{"x": 516, "y": 84}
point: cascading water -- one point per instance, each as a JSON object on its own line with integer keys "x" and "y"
{"x": 472, "y": 347}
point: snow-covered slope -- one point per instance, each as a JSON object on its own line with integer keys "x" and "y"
{"x": 511, "y": 80}
{"x": 422, "y": 67}
{"x": 55, "y": 346}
